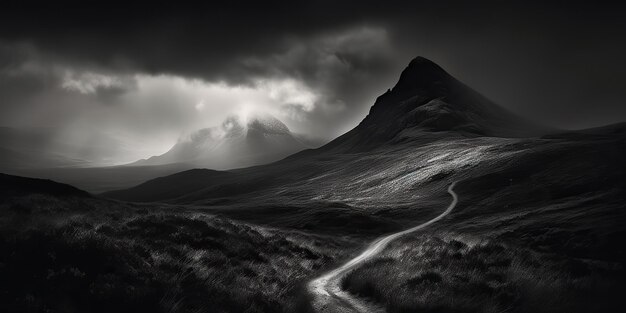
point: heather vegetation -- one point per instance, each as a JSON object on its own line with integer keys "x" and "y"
{"x": 80, "y": 254}
{"x": 443, "y": 273}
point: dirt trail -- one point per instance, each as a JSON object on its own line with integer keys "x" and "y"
{"x": 326, "y": 289}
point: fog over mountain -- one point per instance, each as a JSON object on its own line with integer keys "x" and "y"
{"x": 240, "y": 141}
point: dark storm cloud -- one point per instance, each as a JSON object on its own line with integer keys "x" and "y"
{"x": 555, "y": 59}
{"x": 209, "y": 41}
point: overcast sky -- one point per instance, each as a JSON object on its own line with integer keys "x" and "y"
{"x": 145, "y": 75}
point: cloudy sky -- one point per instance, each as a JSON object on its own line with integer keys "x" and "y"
{"x": 146, "y": 75}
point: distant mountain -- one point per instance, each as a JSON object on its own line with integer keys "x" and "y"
{"x": 237, "y": 142}
{"x": 50, "y": 153}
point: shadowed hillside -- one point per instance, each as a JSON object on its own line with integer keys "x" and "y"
{"x": 63, "y": 251}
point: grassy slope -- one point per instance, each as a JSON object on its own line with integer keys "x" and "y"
{"x": 539, "y": 231}
{"x": 83, "y": 254}
{"x": 536, "y": 217}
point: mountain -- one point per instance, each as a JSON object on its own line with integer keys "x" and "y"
{"x": 427, "y": 100}
{"x": 427, "y": 119}
{"x": 238, "y": 142}
{"x": 426, "y": 105}
{"x": 50, "y": 153}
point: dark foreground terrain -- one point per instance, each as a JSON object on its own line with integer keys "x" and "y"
{"x": 538, "y": 227}
{"x": 66, "y": 251}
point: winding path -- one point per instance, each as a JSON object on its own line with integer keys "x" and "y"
{"x": 326, "y": 289}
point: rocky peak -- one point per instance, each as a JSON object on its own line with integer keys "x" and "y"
{"x": 422, "y": 74}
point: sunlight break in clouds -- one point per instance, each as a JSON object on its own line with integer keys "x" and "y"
{"x": 190, "y": 104}
{"x": 161, "y": 109}
{"x": 302, "y": 83}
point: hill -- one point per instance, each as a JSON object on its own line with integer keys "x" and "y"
{"x": 15, "y": 185}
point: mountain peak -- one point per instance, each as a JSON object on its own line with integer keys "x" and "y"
{"x": 421, "y": 74}
{"x": 240, "y": 140}
{"x": 266, "y": 123}
{"x": 240, "y": 125}
{"x": 426, "y": 101}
